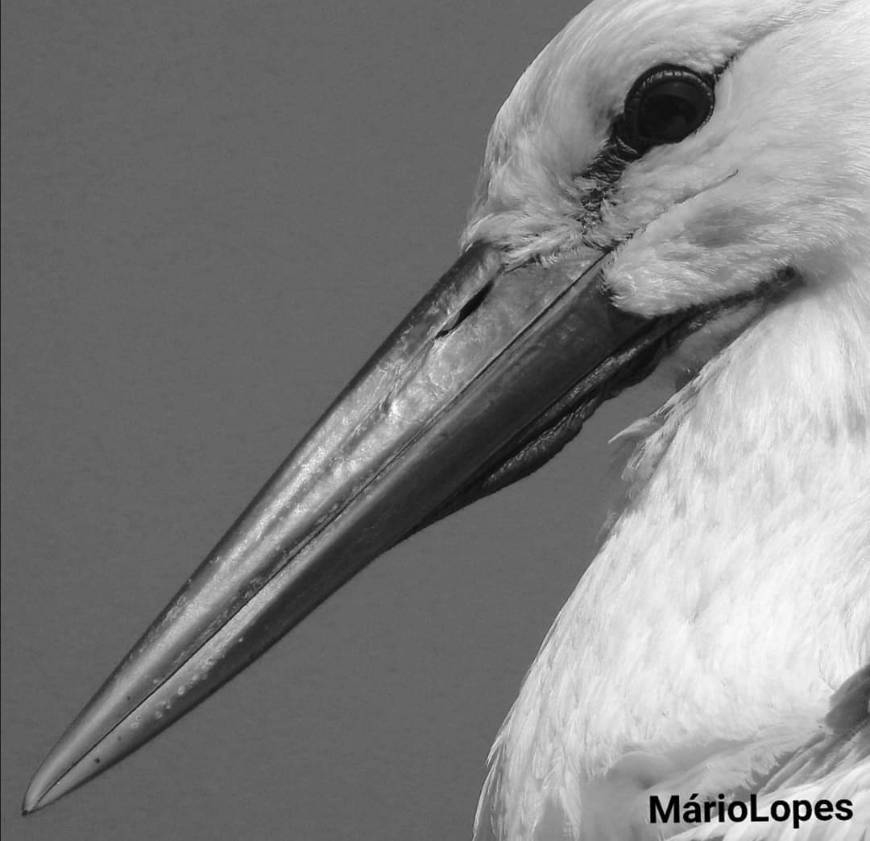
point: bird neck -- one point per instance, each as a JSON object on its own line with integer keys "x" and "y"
{"x": 721, "y": 570}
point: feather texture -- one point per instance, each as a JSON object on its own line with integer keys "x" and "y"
{"x": 730, "y": 603}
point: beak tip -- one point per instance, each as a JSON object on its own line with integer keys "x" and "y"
{"x": 33, "y": 798}
{"x": 49, "y": 783}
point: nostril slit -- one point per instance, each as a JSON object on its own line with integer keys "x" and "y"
{"x": 466, "y": 310}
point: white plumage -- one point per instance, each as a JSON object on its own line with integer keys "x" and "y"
{"x": 732, "y": 596}
{"x": 718, "y": 647}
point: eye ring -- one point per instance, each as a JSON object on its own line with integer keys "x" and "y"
{"x": 664, "y": 106}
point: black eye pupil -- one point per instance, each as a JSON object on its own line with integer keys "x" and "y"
{"x": 666, "y": 105}
{"x": 670, "y": 111}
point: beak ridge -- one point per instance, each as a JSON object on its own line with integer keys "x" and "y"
{"x": 454, "y": 392}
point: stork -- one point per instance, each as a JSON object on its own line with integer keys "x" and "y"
{"x": 686, "y": 184}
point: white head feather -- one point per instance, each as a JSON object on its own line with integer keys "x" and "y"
{"x": 779, "y": 175}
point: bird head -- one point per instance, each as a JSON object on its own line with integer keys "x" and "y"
{"x": 707, "y": 145}
{"x": 660, "y": 170}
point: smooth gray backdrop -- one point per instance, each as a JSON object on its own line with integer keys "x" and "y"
{"x": 213, "y": 213}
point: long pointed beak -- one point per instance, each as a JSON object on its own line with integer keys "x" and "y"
{"x": 486, "y": 378}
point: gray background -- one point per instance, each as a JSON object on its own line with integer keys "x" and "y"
{"x": 213, "y": 214}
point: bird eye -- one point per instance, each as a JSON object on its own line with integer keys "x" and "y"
{"x": 666, "y": 105}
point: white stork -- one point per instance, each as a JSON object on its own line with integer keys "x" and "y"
{"x": 686, "y": 181}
